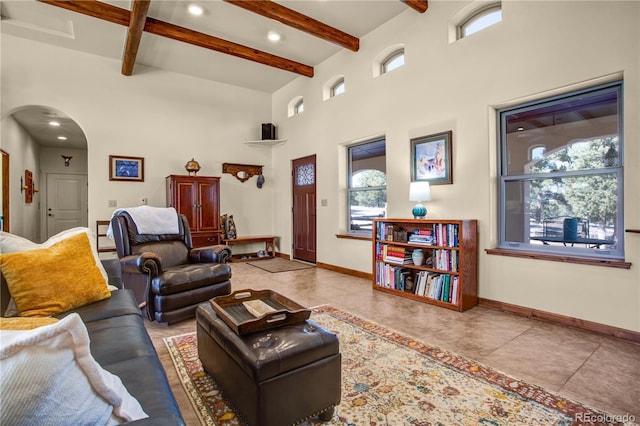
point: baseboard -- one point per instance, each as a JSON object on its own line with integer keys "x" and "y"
{"x": 607, "y": 330}
{"x": 345, "y": 271}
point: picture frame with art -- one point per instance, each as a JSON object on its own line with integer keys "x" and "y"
{"x": 126, "y": 168}
{"x": 431, "y": 158}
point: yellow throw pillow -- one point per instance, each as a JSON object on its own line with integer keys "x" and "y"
{"x": 17, "y": 323}
{"x": 55, "y": 279}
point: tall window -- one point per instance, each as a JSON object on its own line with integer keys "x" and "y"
{"x": 367, "y": 185}
{"x": 561, "y": 188}
{"x": 299, "y": 107}
{"x": 393, "y": 61}
{"x": 480, "y": 19}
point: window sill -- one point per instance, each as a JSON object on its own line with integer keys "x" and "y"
{"x": 610, "y": 263}
{"x": 353, "y": 237}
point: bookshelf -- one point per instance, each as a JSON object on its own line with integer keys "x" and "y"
{"x": 448, "y": 277}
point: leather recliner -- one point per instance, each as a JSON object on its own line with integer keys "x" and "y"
{"x": 166, "y": 273}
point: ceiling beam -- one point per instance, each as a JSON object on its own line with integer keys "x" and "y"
{"x": 290, "y": 17}
{"x": 196, "y": 38}
{"x": 418, "y": 5}
{"x": 134, "y": 34}
{"x": 121, "y": 16}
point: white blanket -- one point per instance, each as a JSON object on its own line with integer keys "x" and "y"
{"x": 151, "y": 220}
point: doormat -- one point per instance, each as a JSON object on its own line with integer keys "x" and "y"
{"x": 279, "y": 264}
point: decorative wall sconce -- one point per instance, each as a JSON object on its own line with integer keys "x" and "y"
{"x": 243, "y": 172}
{"x": 67, "y": 159}
{"x": 28, "y": 186}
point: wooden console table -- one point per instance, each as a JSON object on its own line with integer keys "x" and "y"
{"x": 269, "y": 246}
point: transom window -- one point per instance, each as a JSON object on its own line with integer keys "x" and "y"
{"x": 337, "y": 88}
{"x": 367, "y": 185}
{"x": 561, "y": 174}
{"x": 480, "y": 19}
{"x": 393, "y": 61}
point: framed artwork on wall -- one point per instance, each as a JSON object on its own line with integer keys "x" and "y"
{"x": 126, "y": 168}
{"x": 431, "y": 159}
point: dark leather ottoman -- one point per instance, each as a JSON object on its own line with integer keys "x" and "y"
{"x": 277, "y": 377}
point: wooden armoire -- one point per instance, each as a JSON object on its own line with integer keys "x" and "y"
{"x": 198, "y": 198}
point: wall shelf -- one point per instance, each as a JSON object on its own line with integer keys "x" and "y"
{"x": 266, "y": 142}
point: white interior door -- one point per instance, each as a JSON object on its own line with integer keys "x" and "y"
{"x": 67, "y": 202}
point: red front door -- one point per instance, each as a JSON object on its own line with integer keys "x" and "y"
{"x": 304, "y": 208}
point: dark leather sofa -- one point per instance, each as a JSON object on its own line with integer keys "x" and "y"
{"x": 121, "y": 345}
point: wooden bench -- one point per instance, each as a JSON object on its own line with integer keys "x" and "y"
{"x": 269, "y": 246}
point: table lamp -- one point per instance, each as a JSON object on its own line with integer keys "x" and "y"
{"x": 419, "y": 191}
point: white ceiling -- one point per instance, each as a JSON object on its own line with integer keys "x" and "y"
{"x": 49, "y": 24}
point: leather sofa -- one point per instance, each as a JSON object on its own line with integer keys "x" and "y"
{"x": 121, "y": 345}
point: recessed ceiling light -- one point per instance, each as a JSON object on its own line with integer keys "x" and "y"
{"x": 62, "y": 138}
{"x": 273, "y": 36}
{"x": 54, "y": 123}
{"x": 195, "y": 9}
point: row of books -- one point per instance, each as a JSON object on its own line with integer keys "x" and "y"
{"x": 446, "y": 260}
{"x": 395, "y": 277}
{"x": 443, "y": 287}
{"x": 439, "y": 234}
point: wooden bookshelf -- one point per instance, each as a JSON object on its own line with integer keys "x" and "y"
{"x": 449, "y": 276}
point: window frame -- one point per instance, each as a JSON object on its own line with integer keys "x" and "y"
{"x": 384, "y": 64}
{"x": 504, "y": 177}
{"x": 477, "y": 15}
{"x": 334, "y": 87}
{"x": 351, "y": 190}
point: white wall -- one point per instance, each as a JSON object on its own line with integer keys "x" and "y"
{"x": 166, "y": 118}
{"x": 539, "y": 46}
{"x": 24, "y": 154}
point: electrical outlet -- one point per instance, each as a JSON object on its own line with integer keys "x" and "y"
{"x": 143, "y": 200}
{"x": 113, "y": 203}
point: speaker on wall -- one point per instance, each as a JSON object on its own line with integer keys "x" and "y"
{"x": 268, "y": 131}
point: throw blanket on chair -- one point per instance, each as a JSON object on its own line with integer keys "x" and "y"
{"x": 151, "y": 220}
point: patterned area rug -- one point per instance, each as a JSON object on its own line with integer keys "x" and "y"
{"x": 278, "y": 264}
{"x": 391, "y": 379}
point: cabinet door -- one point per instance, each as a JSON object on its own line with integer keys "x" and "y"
{"x": 208, "y": 211}
{"x": 185, "y": 200}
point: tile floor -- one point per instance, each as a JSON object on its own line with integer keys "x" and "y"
{"x": 600, "y": 371}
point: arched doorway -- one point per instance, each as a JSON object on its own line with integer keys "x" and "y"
{"x": 53, "y": 147}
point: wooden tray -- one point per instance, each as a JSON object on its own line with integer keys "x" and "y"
{"x": 232, "y": 311}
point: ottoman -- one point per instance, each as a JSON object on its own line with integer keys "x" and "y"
{"x": 276, "y": 377}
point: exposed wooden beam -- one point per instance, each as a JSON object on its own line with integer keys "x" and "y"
{"x": 121, "y": 16}
{"x": 196, "y": 38}
{"x": 134, "y": 34}
{"x": 270, "y": 9}
{"x": 418, "y": 5}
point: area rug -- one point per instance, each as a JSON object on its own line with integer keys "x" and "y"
{"x": 389, "y": 378}
{"x": 278, "y": 264}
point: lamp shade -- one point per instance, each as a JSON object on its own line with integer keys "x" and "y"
{"x": 419, "y": 191}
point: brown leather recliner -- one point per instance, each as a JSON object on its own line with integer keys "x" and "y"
{"x": 164, "y": 270}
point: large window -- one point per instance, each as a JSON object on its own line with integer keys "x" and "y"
{"x": 367, "y": 185}
{"x": 561, "y": 188}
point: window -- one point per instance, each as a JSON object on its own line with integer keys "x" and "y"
{"x": 561, "y": 174}
{"x": 393, "y": 61}
{"x": 337, "y": 88}
{"x": 480, "y": 19}
{"x": 299, "y": 107}
{"x": 367, "y": 185}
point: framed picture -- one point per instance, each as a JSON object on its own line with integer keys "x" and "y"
{"x": 126, "y": 168}
{"x": 431, "y": 159}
